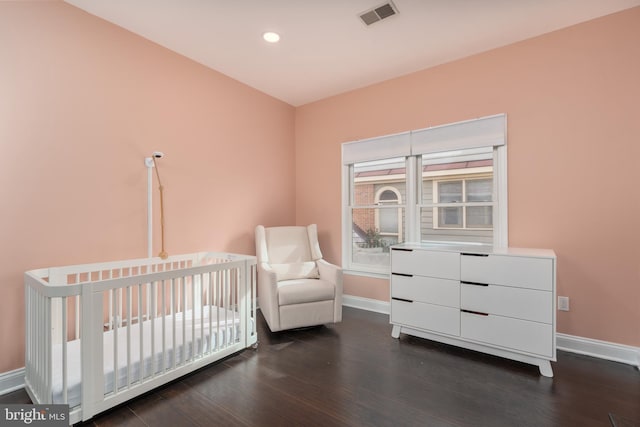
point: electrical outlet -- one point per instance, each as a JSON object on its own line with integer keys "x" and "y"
{"x": 563, "y": 303}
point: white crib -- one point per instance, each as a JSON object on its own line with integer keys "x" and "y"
{"x": 100, "y": 334}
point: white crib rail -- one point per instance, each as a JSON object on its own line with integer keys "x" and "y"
{"x": 41, "y": 330}
{"x": 67, "y": 303}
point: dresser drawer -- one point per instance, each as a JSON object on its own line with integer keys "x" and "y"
{"x": 429, "y": 317}
{"x": 426, "y": 289}
{"x": 513, "y": 334}
{"x": 445, "y": 265}
{"x": 533, "y": 273}
{"x": 527, "y": 304}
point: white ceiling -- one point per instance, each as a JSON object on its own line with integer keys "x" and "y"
{"x": 325, "y": 49}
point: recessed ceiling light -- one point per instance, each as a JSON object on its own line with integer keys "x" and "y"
{"x": 271, "y": 37}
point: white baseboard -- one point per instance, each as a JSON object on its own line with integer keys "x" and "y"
{"x": 600, "y": 349}
{"x": 589, "y": 347}
{"x": 11, "y": 381}
{"x": 368, "y": 304}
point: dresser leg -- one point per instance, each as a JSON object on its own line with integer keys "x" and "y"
{"x": 545, "y": 368}
{"x": 395, "y": 332}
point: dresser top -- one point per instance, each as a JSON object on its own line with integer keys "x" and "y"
{"x": 477, "y": 249}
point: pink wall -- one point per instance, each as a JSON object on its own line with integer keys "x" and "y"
{"x": 571, "y": 98}
{"x": 82, "y": 103}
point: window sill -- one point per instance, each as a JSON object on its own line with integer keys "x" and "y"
{"x": 376, "y": 275}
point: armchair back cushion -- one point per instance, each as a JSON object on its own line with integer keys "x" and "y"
{"x": 291, "y": 251}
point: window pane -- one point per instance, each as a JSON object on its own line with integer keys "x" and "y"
{"x": 388, "y": 196}
{"x": 449, "y": 165}
{"x": 429, "y": 233}
{"x": 370, "y": 177}
{"x": 450, "y": 191}
{"x": 379, "y": 188}
{"x": 479, "y": 217}
{"x": 388, "y": 220}
{"x": 479, "y": 190}
{"x": 370, "y": 244}
{"x": 450, "y": 217}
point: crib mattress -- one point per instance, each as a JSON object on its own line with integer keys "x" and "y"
{"x": 223, "y": 332}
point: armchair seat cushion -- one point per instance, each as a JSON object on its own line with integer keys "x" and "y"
{"x": 300, "y": 291}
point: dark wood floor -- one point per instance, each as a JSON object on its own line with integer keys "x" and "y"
{"x": 355, "y": 374}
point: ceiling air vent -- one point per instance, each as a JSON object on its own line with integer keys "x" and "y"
{"x": 379, "y": 13}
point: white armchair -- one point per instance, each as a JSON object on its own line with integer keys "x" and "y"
{"x": 296, "y": 287}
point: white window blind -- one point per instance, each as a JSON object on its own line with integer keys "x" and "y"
{"x": 384, "y": 147}
{"x": 483, "y": 132}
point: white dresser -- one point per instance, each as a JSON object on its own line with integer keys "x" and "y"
{"x": 497, "y": 301}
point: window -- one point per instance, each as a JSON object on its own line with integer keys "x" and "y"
{"x": 445, "y": 184}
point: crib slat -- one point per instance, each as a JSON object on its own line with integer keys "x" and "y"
{"x": 178, "y": 296}
{"x": 27, "y": 332}
{"x": 232, "y": 333}
{"x": 173, "y": 321}
{"x": 110, "y": 318}
{"x": 193, "y": 317}
{"x": 219, "y": 305}
{"x": 129, "y": 336}
{"x": 36, "y": 347}
{"x": 77, "y": 319}
{"x": 42, "y": 355}
{"x": 148, "y": 286}
{"x": 184, "y": 320}
{"x": 254, "y": 281}
{"x": 236, "y": 311}
{"x": 202, "y": 302}
{"x": 234, "y": 303}
{"x": 192, "y": 306}
{"x": 33, "y": 319}
{"x": 64, "y": 350}
{"x": 120, "y": 295}
{"x": 226, "y": 306}
{"x": 116, "y": 327}
{"x": 203, "y": 291}
{"x": 141, "y": 334}
{"x": 152, "y": 317}
{"x": 210, "y": 302}
{"x": 38, "y": 353}
{"x": 48, "y": 368}
{"x": 164, "y": 326}
{"x": 34, "y": 316}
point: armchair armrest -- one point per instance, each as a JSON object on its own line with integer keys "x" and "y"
{"x": 267, "y": 274}
{"x": 268, "y": 294}
{"x": 329, "y": 272}
{"x": 332, "y": 273}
